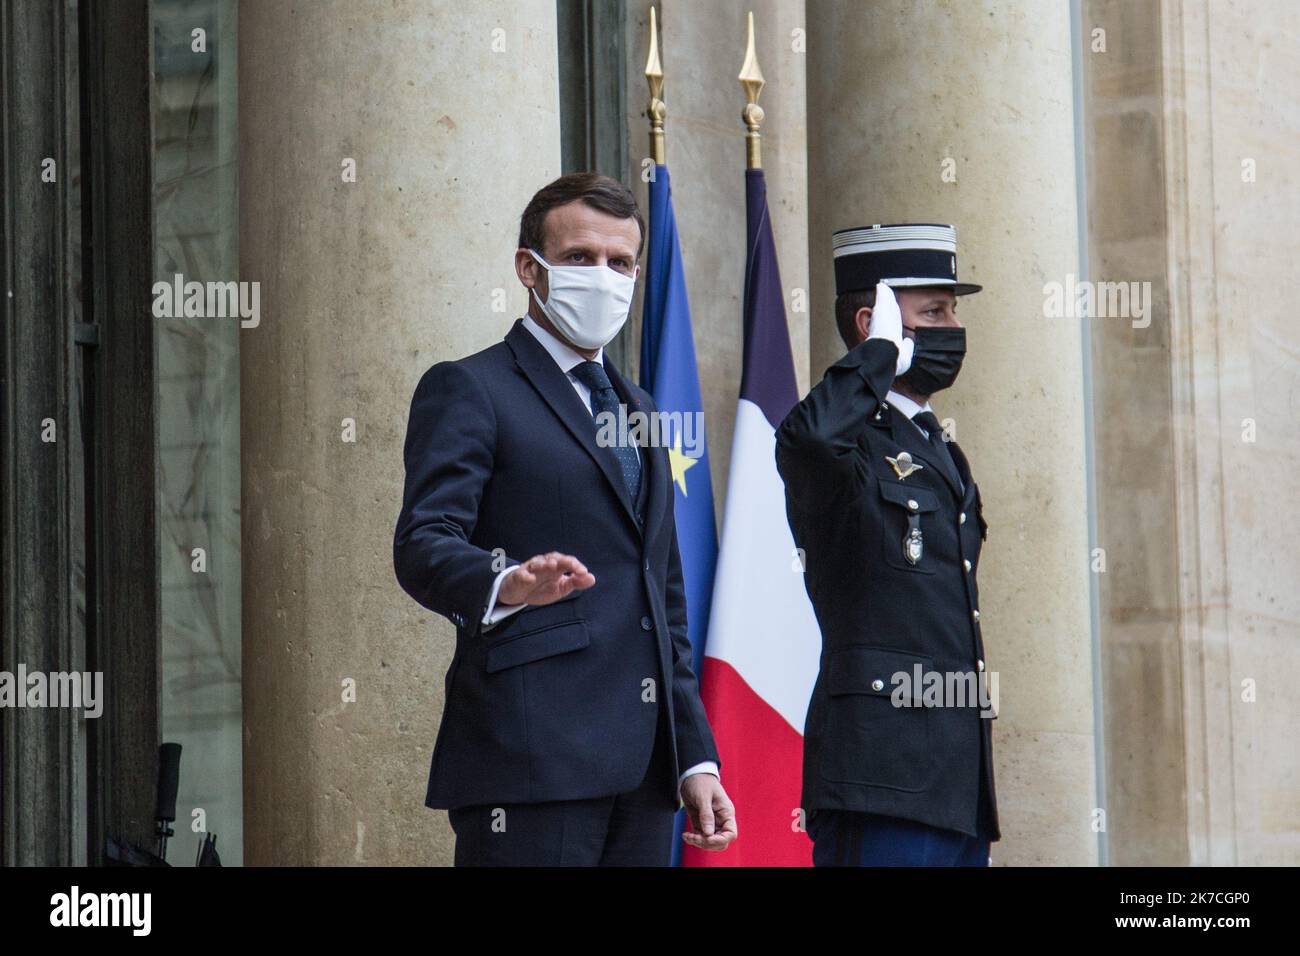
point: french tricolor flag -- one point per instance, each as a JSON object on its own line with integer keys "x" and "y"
{"x": 763, "y": 647}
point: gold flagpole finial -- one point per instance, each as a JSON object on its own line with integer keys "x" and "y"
{"x": 751, "y": 78}
{"x": 654, "y": 74}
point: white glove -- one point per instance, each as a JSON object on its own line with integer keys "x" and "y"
{"x": 887, "y": 323}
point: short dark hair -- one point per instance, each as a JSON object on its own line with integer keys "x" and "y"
{"x": 846, "y": 307}
{"x": 597, "y": 191}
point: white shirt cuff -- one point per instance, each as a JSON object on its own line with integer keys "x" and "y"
{"x": 494, "y": 614}
{"x": 708, "y": 766}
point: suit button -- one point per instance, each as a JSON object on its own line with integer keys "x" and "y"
{"x": 975, "y": 614}
{"x": 961, "y": 519}
{"x": 965, "y": 563}
{"x": 647, "y": 624}
{"x": 980, "y": 665}
{"x": 877, "y": 684}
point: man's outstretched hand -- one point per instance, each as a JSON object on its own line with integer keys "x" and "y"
{"x": 713, "y": 817}
{"x": 545, "y": 579}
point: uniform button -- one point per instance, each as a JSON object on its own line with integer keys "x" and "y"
{"x": 877, "y": 684}
{"x": 647, "y": 624}
{"x": 965, "y": 563}
{"x": 980, "y": 665}
{"x": 961, "y": 519}
{"x": 975, "y": 614}
{"x": 647, "y": 565}
{"x": 912, "y": 504}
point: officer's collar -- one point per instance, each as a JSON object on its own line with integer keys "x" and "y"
{"x": 906, "y": 405}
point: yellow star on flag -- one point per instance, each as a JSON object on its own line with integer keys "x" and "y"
{"x": 679, "y": 463}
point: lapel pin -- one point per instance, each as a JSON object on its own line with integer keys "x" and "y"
{"x": 903, "y": 465}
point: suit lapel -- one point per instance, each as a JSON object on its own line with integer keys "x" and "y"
{"x": 909, "y": 438}
{"x": 558, "y": 392}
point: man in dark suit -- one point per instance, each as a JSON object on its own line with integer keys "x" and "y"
{"x": 573, "y": 728}
{"x": 898, "y": 760}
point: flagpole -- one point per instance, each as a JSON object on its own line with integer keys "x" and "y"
{"x": 656, "y": 111}
{"x": 751, "y": 78}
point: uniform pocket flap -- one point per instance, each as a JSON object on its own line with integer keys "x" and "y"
{"x": 910, "y": 498}
{"x": 538, "y": 644}
{"x": 876, "y": 671}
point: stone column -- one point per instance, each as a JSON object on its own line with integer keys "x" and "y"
{"x": 1195, "y": 193}
{"x": 1233, "y": 198}
{"x": 1137, "y": 513}
{"x": 450, "y": 114}
{"x": 899, "y": 92}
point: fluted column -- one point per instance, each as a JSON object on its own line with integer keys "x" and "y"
{"x": 900, "y": 93}
{"x": 449, "y": 112}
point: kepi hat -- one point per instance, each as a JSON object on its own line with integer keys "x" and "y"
{"x": 902, "y": 255}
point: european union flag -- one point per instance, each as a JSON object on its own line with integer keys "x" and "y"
{"x": 668, "y": 372}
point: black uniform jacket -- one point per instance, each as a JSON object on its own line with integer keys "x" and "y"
{"x": 890, "y": 566}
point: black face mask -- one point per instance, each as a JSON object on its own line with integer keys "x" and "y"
{"x": 936, "y": 361}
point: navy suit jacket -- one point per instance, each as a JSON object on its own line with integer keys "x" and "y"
{"x": 561, "y": 701}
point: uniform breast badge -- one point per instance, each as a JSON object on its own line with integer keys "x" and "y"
{"x": 913, "y": 547}
{"x": 903, "y": 465}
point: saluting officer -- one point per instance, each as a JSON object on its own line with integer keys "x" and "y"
{"x": 897, "y": 770}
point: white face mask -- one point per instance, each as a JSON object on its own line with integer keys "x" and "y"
{"x": 586, "y": 304}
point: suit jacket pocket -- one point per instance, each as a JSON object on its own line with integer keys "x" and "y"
{"x": 870, "y": 739}
{"x": 537, "y": 644}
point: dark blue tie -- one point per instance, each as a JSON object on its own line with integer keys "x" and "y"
{"x": 930, "y": 422}
{"x": 605, "y": 399}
